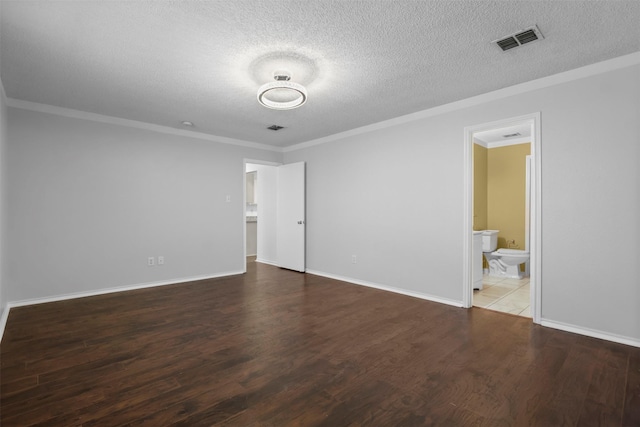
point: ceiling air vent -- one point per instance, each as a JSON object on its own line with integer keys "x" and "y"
{"x": 518, "y": 39}
{"x": 511, "y": 135}
{"x": 508, "y": 43}
{"x": 526, "y": 37}
{"x": 275, "y": 127}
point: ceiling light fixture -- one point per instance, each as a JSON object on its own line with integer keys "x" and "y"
{"x": 282, "y": 94}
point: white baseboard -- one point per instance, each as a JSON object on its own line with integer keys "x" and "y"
{"x": 388, "y": 288}
{"x": 591, "y": 332}
{"x": 544, "y": 322}
{"x": 3, "y": 320}
{"x": 547, "y": 323}
{"x": 54, "y": 298}
{"x": 266, "y": 261}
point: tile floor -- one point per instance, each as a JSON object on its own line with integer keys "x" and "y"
{"x": 503, "y": 294}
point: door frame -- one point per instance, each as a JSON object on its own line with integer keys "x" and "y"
{"x": 535, "y": 239}
{"x": 244, "y": 203}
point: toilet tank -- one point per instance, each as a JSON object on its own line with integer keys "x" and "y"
{"x": 489, "y": 240}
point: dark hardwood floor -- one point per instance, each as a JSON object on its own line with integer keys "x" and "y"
{"x": 278, "y": 348}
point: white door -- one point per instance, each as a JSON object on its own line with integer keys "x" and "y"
{"x": 291, "y": 216}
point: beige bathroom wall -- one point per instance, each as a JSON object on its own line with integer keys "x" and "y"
{"x": 479, "y": 187}
{"x": 506, "y": 179}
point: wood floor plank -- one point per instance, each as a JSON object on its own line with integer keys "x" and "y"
{"x": 631, "y": 412}
{"x": 274, "y": 347}
{"x": 604, "y": 402}
{"x": 12, "y": 387}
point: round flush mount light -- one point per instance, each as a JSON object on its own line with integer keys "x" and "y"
{"x": 282, "y": 94}
{"x": 187, "y": 123}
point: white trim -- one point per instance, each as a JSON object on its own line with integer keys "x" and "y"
{"x": 244, "y": 204}
{"x": 262, "y": 162}
{"x": 591, "y": 332}
{"x": 535, "y": 209}
{"x": 264, "y": 261}
{"x": 74, "y": 295}
{"x": 535, "y": 218}
{"x": 77, "y": 114}
{"x": 541, "y": 83}
{"x": 467, "y": 228}
{"x": 515, "y": 141}
{"x": 244, "y": 216}
{"x": 527, "y": 208}
{"x": 387, "y": 288}
{"x": 3, "y": 93}
{"x": 5, "y": 309}
{"x": 63, "y": 297}
{"x": 3, "y": 320}
{"x": 544, "y": 82}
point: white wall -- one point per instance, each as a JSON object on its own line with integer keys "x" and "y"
{"x": 385, "y": 197}
{"x": 3, "y": 204}
{"x": 394, "y": 198}
{"x": 89, "y": 202}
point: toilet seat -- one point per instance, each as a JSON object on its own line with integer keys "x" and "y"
{"x": 505, "y": 251}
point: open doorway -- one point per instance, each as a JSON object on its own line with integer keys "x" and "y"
{"x": 502, "y": 238}
{"x": 276, "y": 204}
{"x": 260, "y": 214}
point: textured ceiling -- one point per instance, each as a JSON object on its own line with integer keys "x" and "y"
{"x": 362, "y": 62}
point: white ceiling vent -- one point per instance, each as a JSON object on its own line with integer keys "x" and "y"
{"x": 518, "y": 39}
{"x": 275, "y": 127}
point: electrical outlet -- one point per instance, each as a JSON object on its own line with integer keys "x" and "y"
{"x": 354, "y": 259}
{"x": 160, "y": 260}
{"x": 151, "y": 261}
{"x": 228, "y": 198}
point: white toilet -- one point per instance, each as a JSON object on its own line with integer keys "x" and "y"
{"x": 502, "y": 262}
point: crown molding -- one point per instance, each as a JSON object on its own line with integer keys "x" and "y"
{"x": 77, "y": 114}
{"x": 544, "y": 82}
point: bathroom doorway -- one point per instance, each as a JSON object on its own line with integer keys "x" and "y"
{"x": 260, "y": 213}
{"x": 274, "y": 214}
{"x": 503, "y": 194}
